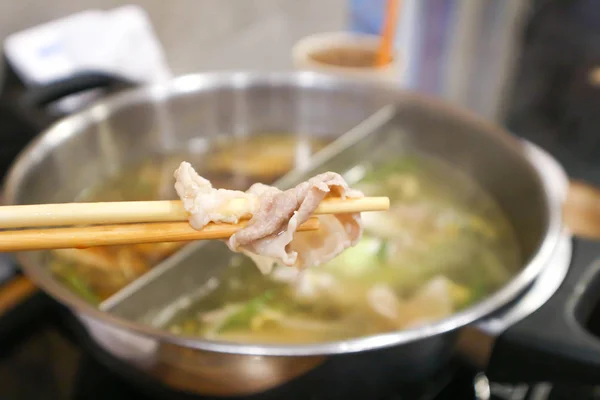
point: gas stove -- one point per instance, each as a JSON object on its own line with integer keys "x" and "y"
{"x": 26, "y": 375}
{"x": 458, "y": 383}
{"x": 454, "y": 383}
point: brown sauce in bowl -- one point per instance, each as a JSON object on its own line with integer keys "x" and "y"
{"x": 351, "y": 57}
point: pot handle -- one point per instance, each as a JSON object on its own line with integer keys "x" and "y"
{"x": 560, "y": 342}
{"x": 22, "y": 305}
{"x": 45, "y": 94}
{"x": 31, "y": 103}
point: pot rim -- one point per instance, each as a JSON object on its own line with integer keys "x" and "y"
{"x": 62, "y": 129}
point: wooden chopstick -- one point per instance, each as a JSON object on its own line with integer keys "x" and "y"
{"x": 104, "y": 213}
{"x": 108, "y": 235}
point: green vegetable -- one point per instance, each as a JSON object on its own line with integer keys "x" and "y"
{"x": 189, "y": 327}
{"x": 479, "y": 288}
{"x": 382, "y": 253}
{"x": 243, "y": 317}
{"x": 461, "y": 295}
{"x": 482, "y": 226}
{"x": 81, "y": 288}
{"x": 401, "y": 165}
{"x": 358, "y": 259}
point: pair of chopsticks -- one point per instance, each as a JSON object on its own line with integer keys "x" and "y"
{"x": 133, "y": 222}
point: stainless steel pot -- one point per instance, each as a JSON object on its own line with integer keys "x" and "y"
{"x": 137, "y": 123}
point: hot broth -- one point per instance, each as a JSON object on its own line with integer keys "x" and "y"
{"x": 443, "y": 246}
{"x": 233, "y": 163}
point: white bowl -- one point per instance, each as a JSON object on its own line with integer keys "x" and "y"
{"x": 304, "y": 49}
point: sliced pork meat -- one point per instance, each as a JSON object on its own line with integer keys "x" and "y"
{"x": 272, "y": 234}
{"x": 207, "y": 204}
{"x": 270, "y": 237}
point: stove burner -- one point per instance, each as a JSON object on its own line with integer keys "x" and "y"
{"x": 94, "y": 381}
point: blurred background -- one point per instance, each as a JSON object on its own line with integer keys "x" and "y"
{"x": 206, "y": 34}
{"x": 522, "y": 63}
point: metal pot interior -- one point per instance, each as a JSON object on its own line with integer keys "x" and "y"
{"x": 193, "y": 111}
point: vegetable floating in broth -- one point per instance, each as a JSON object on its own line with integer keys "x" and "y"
{"x": 234, "y": 163}
{"x": 270, "y": 236}
{"x": 443, "y": 245}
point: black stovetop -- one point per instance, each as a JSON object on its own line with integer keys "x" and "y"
{"x": 48, "y": 365}
{"x": 457, "y": 385}
{"x": 53, "y": 361}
